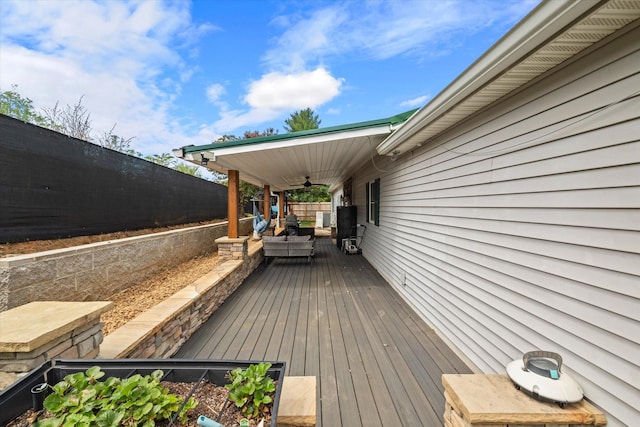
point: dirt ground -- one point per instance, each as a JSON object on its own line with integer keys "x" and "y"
{"x": 166, "y": 282}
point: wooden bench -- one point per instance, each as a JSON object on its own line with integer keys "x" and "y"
{"x": 288, "y": 246}
{"x": 493, "y": 401}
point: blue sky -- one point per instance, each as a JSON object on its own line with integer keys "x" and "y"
{"x": 176, "y": 73}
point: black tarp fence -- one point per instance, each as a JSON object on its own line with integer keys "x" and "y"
{"x": 54, "y": 186}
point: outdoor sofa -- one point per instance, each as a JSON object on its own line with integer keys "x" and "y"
{"x": 288, "y": 246}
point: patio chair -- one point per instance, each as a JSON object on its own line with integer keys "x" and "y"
{"x": 291, "y": 225}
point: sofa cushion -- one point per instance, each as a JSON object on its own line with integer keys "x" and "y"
{"x": 298, "y": 238}
{"x": 274, "y": 238}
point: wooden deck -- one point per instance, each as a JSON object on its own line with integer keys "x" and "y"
{"x": 377, "y": 362}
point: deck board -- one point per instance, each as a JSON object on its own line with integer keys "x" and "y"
{"x": 377, "y": 362}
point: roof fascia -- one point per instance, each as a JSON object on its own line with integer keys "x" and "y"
{"x": 222, "y": 150}
{"x": 544, "y": 22}
{"x": 332, "y": 132}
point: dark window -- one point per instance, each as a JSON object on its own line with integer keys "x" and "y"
{"x": 372, "y": 191}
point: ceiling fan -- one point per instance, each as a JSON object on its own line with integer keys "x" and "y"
{"x": 307, "y": 184}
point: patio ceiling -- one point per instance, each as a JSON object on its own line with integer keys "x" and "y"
{"x": 326, "y": 156}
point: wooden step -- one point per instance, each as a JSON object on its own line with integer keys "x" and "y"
{"x": 297, "y": 406}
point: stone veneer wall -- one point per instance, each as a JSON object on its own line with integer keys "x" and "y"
{"x": 98, "y": 270}
{"x": 81, "y": 343}
{"x": 43, "y": 330}
{"x": 161, "y": 331}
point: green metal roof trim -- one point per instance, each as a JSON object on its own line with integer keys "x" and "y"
{"x": 394, "y": 120}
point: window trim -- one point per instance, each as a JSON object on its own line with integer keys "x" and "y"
{"x": 372, "y": 193}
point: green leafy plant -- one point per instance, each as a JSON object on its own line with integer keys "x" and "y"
{"x": 81, "y": 400}
{"x": 251, "y": 389}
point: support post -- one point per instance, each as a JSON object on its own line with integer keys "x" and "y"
{"x": 267, "y": 203}
{"x": 281, "y": 207}
{"x": 233, "y": 196}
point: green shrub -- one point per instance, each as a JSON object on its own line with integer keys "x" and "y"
{"x": 81, "y": 400}
{"x": 251, "y": 389}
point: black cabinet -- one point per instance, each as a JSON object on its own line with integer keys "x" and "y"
{"x": 346, "y": 221}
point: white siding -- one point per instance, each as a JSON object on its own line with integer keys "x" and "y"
{"x": 520, "y": 228}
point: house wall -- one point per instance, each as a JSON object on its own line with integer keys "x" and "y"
{"x": 520, "y": 228}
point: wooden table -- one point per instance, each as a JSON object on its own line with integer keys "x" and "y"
{"x": 493, "y": 401}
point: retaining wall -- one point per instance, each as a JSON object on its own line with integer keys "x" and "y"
{"x": 98, "y": 270}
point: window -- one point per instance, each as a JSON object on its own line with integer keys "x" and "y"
{"x": 372, "y": 191}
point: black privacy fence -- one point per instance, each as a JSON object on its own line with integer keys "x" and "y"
{"x": 54, "y": 186}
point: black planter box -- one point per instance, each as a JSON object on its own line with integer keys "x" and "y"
{"x": 17, "y": 399}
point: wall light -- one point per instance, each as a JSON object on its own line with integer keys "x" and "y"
{"x": 394, "y": 155}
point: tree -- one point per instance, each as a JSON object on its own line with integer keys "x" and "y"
{"x": 164, "y": 159}
{"x": 188, "y": 169}
{"x": 74, "y": 121}
{"x": 12, "y": 104}
{"x": 258, "y": 134}
{"x": 302, "y": 120}
{"x": 226, "y": 138}
{"x": 248, "y": 192}
{"x": 115, "y": 142}
{"x": 317, "y": 193}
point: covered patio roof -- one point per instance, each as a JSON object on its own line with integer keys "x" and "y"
{"x": 284, "y": 161}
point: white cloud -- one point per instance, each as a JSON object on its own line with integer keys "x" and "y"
{"x": 278, "y": 93}
{"x": 290, "y": 84}
{"x": 382, "y": 30}
{"x": 214, "y": 92}
{"x": 305, "y": 39}
{"x": 415, "y": 102}
{"x": 122, "y": 57}
{"x": 234, "y": 119}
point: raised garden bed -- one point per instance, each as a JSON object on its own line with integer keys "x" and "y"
{"x": 186, "y": 374}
